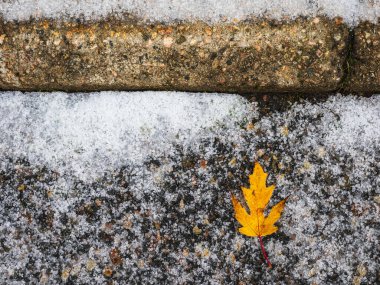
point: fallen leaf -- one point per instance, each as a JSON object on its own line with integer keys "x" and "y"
{"x": 253, "y": 222}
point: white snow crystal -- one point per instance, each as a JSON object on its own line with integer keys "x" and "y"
{"x": 87, "y": 134}
{"x": 329, "y": 158}
{"x": 209, "y": 10}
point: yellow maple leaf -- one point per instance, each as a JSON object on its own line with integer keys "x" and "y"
{"x": 254, "y": 223}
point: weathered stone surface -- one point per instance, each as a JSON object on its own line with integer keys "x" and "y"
{"x": 364, "y": 65}
{"x": 304, "y": 55}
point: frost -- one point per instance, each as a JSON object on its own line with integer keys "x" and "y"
{"x": 209, "y": 10}
{"x": 86, "y": 135}
{"x": 83, "y": 174}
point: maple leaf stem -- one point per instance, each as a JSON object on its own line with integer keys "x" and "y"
{"x": 264, "y": 252}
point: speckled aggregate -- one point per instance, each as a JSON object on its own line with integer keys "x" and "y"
{"x": 304, "y": 55}
{"x": 135, "y": 188}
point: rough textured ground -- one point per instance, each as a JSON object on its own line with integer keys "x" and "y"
{"x": 79, "y": 205}
{"x": 305, "y": 55}
{"x": 363, "y": 64}
{"x": 205, "y": 46}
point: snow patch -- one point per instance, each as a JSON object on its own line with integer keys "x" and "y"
{"x": 357, "y": 123}
{"x": 324, "y": 155}
{"x": 86, "y": 134}
{"x": 208, "y": 10}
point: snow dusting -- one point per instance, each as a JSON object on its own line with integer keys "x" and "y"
{"x": 135, "y": 188}
{"x": 208, "y": 10}
{"x": 88, "y": 134}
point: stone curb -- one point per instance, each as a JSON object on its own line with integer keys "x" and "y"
{"x": 364, "y": 62}
{"x": 304, "y": 55}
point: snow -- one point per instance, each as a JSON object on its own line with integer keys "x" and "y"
{"x": 351, "y": 11}
{"x": 88, "y": 134}
{"x": 352, "y": 130}
{"x": 335, "y": 148}
{"x": 125, "y": 171}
